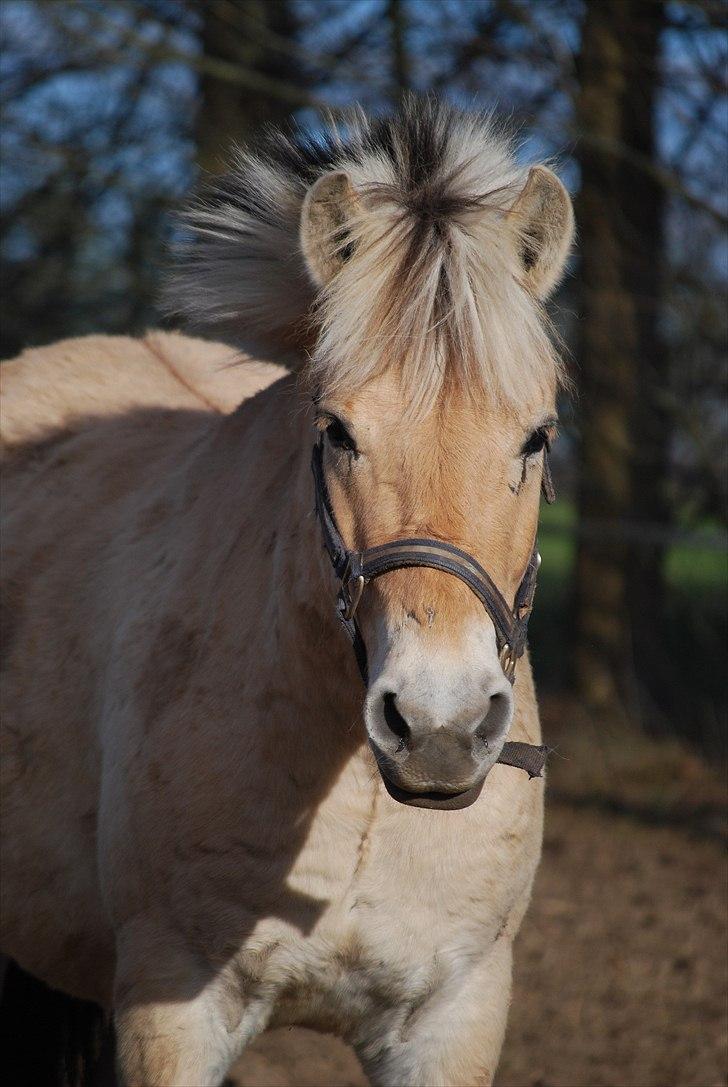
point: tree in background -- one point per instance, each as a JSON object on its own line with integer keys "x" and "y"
{"x": 257, "y": 39}
{"x": 92, "y": 156}
{"x": 622, "y": 634}
{"x": 624, "y": 436}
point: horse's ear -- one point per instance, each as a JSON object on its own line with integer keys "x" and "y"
{"x": 544, "y": 219}
{"x": 328, "y": 209}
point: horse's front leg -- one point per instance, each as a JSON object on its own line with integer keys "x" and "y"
{"x": 456, "y": 1038}
{"x": 177, "y": 1023}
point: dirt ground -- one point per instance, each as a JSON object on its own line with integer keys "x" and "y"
{"x": 621, "y": 974}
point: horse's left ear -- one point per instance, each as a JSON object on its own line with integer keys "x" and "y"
{"x": 544, "y": 219}
{"x": 329, "y": 207}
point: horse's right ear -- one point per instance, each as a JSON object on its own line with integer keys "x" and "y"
{"x": 328, "y": 209}
{"x": 544, "y": 219}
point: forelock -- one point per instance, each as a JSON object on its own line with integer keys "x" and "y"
{"x": 431, "y": 280}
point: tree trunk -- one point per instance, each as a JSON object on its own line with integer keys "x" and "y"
{"x": 652, "y": 424}
{"x": 397, "y": 18}
{"x": 247, "y": 33}
{"x": 620, "y": 225}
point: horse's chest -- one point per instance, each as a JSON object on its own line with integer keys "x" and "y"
{"x": 369, "y": 916}
{"x": 371, "y": 960}
{"x": 340, "y": 984}
{"x": 395, "y": 931}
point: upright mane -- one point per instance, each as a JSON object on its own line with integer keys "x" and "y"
{"x": 431, "y": 278}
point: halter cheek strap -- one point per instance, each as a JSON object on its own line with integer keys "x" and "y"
{"x": 355, "y": 569}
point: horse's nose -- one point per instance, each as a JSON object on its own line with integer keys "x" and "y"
{"x": 410, "y": 723}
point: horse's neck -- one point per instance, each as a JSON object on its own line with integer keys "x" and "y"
{"x": 270, "y": 556}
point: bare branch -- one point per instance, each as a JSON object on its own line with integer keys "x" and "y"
{"x": 669, "y": 180}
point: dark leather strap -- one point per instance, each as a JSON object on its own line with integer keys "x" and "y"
{"x": 355, "y": 569}
{"x": 528, "y": 757}
{"x": 332, "y": 537}
{"x": 338, "y": 555}
{"x": 448, "y": 558}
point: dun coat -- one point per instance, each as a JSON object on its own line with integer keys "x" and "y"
{"x": 197, "y": 832}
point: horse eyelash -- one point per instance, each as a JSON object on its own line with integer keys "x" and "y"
{"x": 325, "y": 420}
{"x": 542, "y": 434}
{"x": 545, "y": 431}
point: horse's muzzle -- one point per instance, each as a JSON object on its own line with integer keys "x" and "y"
{"x": 444, "y": 769}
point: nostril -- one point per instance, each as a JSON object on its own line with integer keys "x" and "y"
{"x": 395, "y": 721}
{"x": 494, "y": 719}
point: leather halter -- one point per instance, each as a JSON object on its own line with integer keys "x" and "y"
{"x": 355, "y": 569}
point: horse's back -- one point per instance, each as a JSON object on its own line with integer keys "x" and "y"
{"x": 46, "y": 389}
{"x": 94, "y": 430}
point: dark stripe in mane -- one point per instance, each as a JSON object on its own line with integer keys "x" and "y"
{"x": 431, "y": 274}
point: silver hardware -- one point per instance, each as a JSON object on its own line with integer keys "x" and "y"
{"x": 351, "y": 590}
{"x": 508, "y": 662}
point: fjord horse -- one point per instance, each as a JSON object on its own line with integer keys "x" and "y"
{"x": 210, "y": 824}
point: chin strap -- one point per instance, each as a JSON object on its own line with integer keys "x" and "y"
{"x": 528, "y": 757}
{"x": 355, "y": 569}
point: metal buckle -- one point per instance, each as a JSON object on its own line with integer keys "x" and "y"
{"x": 526, "y": 608}
{"x": 508, "y": 662}
{"x": 352, "y": 586}
{"x": 352, "y": 597}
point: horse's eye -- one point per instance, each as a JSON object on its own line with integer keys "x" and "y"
{"x": 339, "y": 436}
{"x": 536, "y": 442}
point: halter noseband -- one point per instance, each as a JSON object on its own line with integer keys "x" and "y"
{"x": 355, "y": 569}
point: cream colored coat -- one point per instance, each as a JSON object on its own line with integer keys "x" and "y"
{"x": 194, "y": 828}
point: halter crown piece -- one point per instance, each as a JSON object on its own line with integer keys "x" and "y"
{"x": 355, "y": 569}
